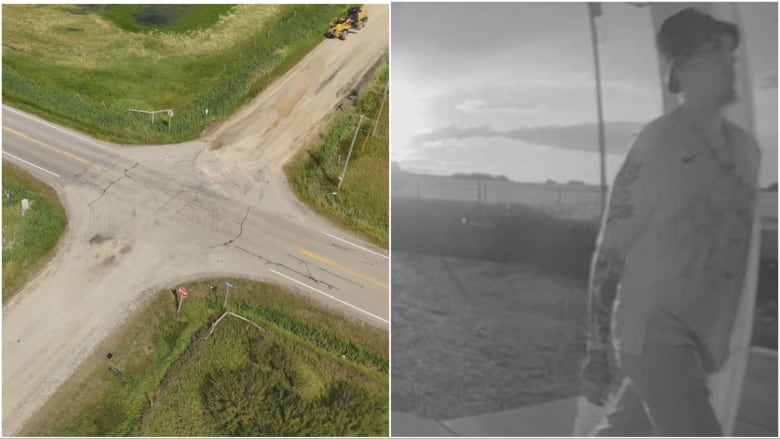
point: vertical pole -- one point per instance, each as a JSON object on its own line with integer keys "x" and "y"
{"x": 344, "y": 172}
{"x": 181, "y": 299}
{"x": 594, "y": 10}
{"x": 224, "y": 305}
{"x": 559, "y": 196}
{"x": 378, "y": 115}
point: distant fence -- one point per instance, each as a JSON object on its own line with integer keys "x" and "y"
{"x": 564, "y": 201}
{"x": 577, "y": 201}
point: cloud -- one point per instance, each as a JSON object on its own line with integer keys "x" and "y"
{"x": 470, "y": 105}
{"x": 506, "y": 103}
{"x": 581, "y": 137}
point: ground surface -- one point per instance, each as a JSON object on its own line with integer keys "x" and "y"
{"x": 362, "y": 199}
{"x": 474, "y": 337}
{"x": 234, "y": 381}
{"x": 30, "y": 237}
{"x": 150, "y": 217}
{"x": 72, "y": 66}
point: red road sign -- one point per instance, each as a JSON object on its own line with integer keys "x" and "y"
{"x": 182, "y": 292}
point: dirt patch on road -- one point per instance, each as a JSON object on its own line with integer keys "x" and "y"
{"x": 98, "y": 238}
{"x": 286, "y": 107}
{"x": 292, "y": 112}
{"x": 216, "y": 145}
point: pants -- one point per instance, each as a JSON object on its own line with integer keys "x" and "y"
{"x": 665, "y": 391}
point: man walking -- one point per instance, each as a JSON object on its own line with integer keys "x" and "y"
{"x": 667, "y": 275}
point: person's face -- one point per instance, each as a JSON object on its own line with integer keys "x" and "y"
{"x": 709, "y": 72}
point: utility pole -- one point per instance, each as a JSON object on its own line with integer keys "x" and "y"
{"x": 594, "y": 10}
{"x": 376, "y": 121}
{"x": 344, "y": 171}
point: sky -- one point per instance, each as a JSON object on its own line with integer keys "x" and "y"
{"x": 508, "y": 88}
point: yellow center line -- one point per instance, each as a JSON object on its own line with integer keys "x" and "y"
{"x": 65, "y": 153}
{"x": 334, "y": 264}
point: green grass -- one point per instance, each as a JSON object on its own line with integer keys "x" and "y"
{"x": 311, "y": 372}
{"x": 473, "y": 336}
{"x": 28, "y": 240}
{"x": 76, "y": 68}
{"x": 362, "y": 202}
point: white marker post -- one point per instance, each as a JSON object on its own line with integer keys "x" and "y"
{"x": 25, "y": 205}
{"x": 182, "y": 295}
{"x": 228, "y": 285}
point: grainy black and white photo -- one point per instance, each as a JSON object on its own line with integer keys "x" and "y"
{"x": 584, "y": 219}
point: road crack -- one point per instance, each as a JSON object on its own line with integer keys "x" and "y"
{"x": 227, "y": 243}
{"x": 111, "y": 183}
{"x": 130, "y": 169}
{"x": 309, "y": 276}
{"x": 307, "y": 264}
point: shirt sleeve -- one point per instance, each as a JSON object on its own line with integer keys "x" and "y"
{"x": 632, "y": 201}
{"x": 634, "y": 195}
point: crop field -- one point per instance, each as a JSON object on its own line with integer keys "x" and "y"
{"x": 362, "y": 202}
{"x": 490, "y": 305}
{"x": 29, "y": 240}
{"x": 87, "y": 66}
{"x": 295, "y": 370}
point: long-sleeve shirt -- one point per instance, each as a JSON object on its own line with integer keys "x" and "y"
{"x": 682, "y": 216}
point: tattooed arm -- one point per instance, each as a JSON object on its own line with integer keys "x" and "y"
{"x": 631, "y": 202}
{"x": 628, "y": 207}
{"x": 606, "y": 269}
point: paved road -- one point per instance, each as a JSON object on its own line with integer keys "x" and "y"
{"x": 145, "y": 218}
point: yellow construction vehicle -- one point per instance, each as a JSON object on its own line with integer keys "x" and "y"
{"x": 356, "y": 19}
{"x": 359, "y": 17}
{"x": 339, "y": 29}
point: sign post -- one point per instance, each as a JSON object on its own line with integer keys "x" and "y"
{"x": 182, "y": 295}
{"x": 228, "y": 285}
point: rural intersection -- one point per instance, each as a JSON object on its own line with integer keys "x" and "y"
{"x": 146, "y": 218}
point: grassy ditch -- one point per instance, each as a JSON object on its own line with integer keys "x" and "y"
{"x": 29, "y": 240}
{"x": 307, "y": 372}
{"x": 362, "y": 202}
{"x": 80, "y": 67}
